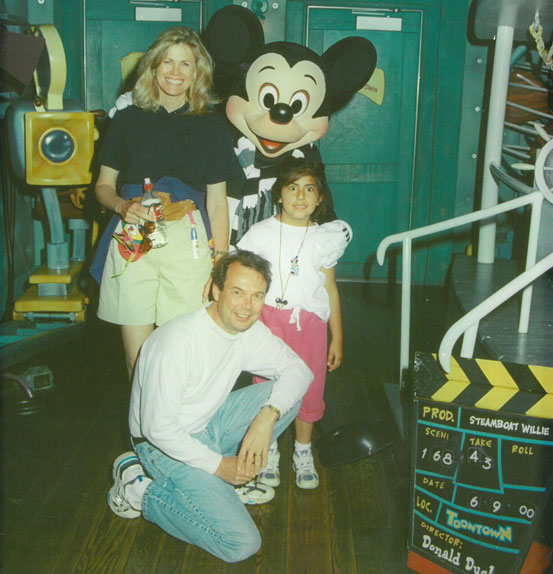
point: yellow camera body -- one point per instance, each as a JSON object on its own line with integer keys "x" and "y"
{"x": 58, "y": 148}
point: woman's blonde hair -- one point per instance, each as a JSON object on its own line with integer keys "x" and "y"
{"x": 146, "y": 93}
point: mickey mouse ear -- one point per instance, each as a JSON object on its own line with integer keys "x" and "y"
{"x": 350, "y": 64}
{"x": 232, "y": 34}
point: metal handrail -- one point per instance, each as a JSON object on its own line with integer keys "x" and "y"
{"x": 468, "y": 324}
{"x": 509, "y": 180}
{"x": 534, "y": 199}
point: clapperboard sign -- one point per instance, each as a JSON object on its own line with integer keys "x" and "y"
{"x": 481, "y": 464}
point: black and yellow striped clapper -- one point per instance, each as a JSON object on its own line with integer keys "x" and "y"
{"x": 486, "y": 384}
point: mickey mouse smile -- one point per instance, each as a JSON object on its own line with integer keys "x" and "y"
{"x": 269, "y": 146}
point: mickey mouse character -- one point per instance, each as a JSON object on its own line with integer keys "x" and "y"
{"x": 279, "y": 97}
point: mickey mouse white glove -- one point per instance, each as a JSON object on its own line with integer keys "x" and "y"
{"x": 123, "y": 101}
{"x": 331, "y": 240}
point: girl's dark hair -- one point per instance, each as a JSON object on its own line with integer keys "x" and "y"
{"x": 245, "y": 258}
{"x": 291, "y": 169}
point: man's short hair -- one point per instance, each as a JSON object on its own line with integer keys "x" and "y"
{"x": 245, "y": 258}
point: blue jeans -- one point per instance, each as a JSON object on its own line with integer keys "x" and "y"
{"x": 201, "y": 508}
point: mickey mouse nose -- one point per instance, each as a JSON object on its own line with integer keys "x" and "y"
{"x": 281, "y": 113}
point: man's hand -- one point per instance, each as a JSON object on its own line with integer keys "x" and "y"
{"x": 253, "y": 452}
{"x": 228, "y": 471}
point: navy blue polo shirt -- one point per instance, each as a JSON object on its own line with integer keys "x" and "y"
{"x": 194, "y": 148}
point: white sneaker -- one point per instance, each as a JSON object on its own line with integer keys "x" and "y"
{"x": 126, "y": 469}
{"x": 270, "y": 475}
{"x": 254, "y": 493}
{"x": 304, "y": 466}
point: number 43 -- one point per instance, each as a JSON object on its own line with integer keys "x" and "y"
{"x": 476, "y": 458}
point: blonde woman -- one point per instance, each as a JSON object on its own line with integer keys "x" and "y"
{"x": 171, "y": 135}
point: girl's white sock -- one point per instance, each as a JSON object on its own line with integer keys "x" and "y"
{"x": 302, "y": 447}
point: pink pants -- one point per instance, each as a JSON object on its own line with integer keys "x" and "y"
{"x": 311, "y": 345}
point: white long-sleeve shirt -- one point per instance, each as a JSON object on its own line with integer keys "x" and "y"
{"x": 185, "y": 372}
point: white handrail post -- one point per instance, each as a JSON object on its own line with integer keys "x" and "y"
{"x": 533, "y": 234}
{"x": 406, "y": 238}
{"x": 494, "y": 137}
{"x": 469, "y": 341}
{"x": 405, "y": 307}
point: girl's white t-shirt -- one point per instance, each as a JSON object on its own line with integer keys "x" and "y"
{"x": 301, "y": 285}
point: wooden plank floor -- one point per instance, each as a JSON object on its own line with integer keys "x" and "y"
{"x": 56, "y": 464}
{"x": 472, "y": 282}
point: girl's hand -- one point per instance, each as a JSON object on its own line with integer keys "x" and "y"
{"x": 334, "y": 355}
{"x": 334, "y": 321}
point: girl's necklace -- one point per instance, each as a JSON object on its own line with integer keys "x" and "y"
{"x": 281, "y": 302}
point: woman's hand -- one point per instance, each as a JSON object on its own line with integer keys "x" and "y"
{"x": 132, "y": 211}
{"x": 207, "y": 289}
{"x": 217, "y": 211}
{"x": 129, "y": 211}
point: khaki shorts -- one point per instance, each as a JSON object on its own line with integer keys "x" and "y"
{"x": 160, "y": 285}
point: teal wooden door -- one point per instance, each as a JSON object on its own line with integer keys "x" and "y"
{"x": 369, "y": 149}
{"x": 116, "y": 28}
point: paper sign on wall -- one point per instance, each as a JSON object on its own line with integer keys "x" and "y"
{"x": 374, "y": 88}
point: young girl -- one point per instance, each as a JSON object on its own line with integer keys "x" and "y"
{"x": 303, "y": 295}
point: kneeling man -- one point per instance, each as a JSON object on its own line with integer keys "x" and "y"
{"x": 195, "y": 440}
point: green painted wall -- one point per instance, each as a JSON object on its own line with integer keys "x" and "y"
{"x": 68, "y": 19}
{"x": 27, "y": 11}
{"x": 440, "y": 128}
{"x": 112, "y": 32}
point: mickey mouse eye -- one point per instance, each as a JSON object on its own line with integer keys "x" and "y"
{"x": 268, "y": 96}
{"x": 299, "y": 103}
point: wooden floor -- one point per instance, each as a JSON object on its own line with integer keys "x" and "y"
{"x": 472, "y": 282}
{"x": 56, "y": 464}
